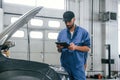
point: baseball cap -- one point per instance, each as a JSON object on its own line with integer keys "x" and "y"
{"x": 68, "y": 15}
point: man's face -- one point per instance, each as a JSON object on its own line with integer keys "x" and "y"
{"x": 70, "y": 24}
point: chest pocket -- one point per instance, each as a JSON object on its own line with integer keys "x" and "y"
{"x": 64, "y": 38}
{"x": 78, "y": 40}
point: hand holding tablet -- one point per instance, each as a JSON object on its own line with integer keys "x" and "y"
{"x": 64, "y": 44}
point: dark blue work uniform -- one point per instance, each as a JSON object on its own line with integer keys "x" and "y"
{"x": 73, "y": 60}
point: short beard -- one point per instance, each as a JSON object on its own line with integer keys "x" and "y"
{"x": 71, "y": 27}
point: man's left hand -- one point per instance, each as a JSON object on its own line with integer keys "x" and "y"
{"x": 72, "y": 46}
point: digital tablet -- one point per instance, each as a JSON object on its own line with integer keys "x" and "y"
{"x": 62, "y": 44}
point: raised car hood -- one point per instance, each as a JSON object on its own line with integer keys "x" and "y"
{"x": 12, "y": 28}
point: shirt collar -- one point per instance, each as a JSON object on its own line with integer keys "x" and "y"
{"x": 74, "y": 34}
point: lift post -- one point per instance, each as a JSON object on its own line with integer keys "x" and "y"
{"x": 108, "y": 61}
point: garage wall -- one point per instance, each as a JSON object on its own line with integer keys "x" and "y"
{"x": 102, "y": 33}
{"x": 112, "y": 32}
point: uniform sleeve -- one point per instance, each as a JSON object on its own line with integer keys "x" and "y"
{"x": 58, "y": 38}
{"x": 86, "y": 39}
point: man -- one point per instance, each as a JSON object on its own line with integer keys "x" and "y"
{"x": 73, "y": 57}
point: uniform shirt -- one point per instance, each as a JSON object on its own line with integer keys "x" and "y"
{"x": 70, "y": 58}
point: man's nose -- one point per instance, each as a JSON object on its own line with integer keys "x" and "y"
{"x": 67, "y": 23}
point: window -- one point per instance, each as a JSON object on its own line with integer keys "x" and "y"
{"x": 56, "y": 4}
{"x": 36, "y": 22}
{"x": 36, "y": 34}
{"x": 54, "y": 24}
{"x": 52, "y": 35}
{"x": 18, "y": 33}
{"x": 59, "y": 4}
{"x": 21, "y": 2}
{"x": 13, "y": 19}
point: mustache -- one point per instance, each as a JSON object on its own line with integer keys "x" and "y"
{"x": 70, "y": 26}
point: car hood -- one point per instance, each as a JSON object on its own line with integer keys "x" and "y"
{"x": 12, "y": 28}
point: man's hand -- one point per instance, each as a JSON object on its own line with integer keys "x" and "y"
{"x": 59, "y": 47}
{"x": 79, "y": 48}
{"x": 72, "y": 46}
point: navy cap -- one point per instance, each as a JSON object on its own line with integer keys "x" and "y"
{"x": 68, "y": 15}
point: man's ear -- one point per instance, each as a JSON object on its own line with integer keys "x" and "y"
{"x": 74, "y": 19}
